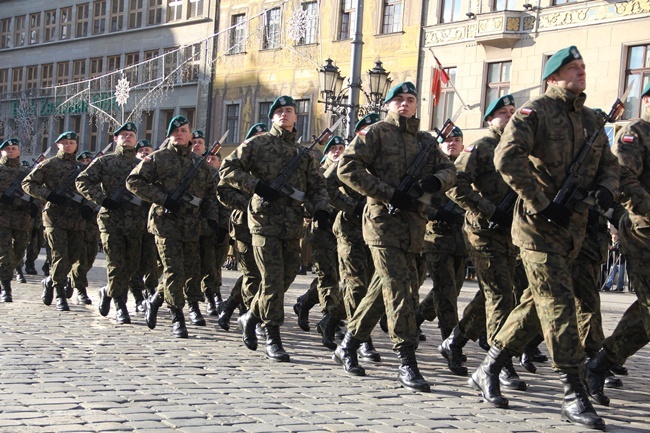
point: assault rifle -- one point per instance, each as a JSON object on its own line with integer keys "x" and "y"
{"x": 122, "y": 195}
{"x": 65, "y": 188}
{"x": 507, "y": 206}
{"x": 280, "y": 182}
{"x": 453, "y": 208}
{"x": 180, "y": 193}
{"x": 15, "y": 190}
{"x": 410, "y": 178}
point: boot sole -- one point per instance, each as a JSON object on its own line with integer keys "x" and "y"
{"x": 358, "y": 373}
{"x": 475, "y": 386}
{"x": 415, "y": 388}
{"x": 601, "y": 427}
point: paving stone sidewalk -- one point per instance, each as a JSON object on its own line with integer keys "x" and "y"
{"x": 80, "y": 372}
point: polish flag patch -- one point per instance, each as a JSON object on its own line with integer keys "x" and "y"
{"x": 526, "y": 111}
{"x": 628, "y": 139}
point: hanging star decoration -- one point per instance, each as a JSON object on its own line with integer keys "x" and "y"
{"x": 122, "y": 89}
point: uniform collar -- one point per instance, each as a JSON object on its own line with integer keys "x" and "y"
{"x": 15, "y": 162}
{"x": 180, "y": 150}
{"x": 66, "y": 156}
{"x": 405, "y": 124}
{"x": 495, "y": 130}
{"x": 571, "y": 100}
{"x": 646, "y": 115}
{"x": 283, "y": 134}
{"x": 121, "y": 150}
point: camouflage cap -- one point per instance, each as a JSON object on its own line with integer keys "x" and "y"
{"x": 366, "y": 120}
{"x": 176, "y": 123}
{"x": 256, "y": 129}
{"x": 646, "y": 90}
{"x": 282, "y": 101}
{"x": 559, "y": 59}
{"x": 455, "y": 132}
{"x": 68, "y": 135}
{"x": 405, "y": 87}
{"x": 10, "y": 142}
{"x": 85, "y": 154}
{"x": 498, "y": 104}
{"x": 142, "y": 143}
{"x": 128, "y": 126}
{"x": 197, "y": 133}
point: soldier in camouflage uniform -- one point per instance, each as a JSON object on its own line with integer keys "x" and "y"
{"x": 374, "y": 165}
{"x": 275, "y": 220}
{"x": 174, "y": 222}
{"x": 534, "y": 155}
{"x": 62, "y": 219}
{"x": 632, "y": 333}
{"x": 15, "y": 218}
{"x": 120, "y": 221}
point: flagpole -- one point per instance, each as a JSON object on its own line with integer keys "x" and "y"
{"x": 465, "y": 106}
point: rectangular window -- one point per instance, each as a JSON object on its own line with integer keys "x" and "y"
{"x": 504, "y": 5}
{"x": 311, "y": 25}
{"x": 392, "y": 16}
{"x": 232, "y": 122}
{"x": 165, "y": 117}
{"x": 96, "y": 67}
{"x": 16, "y": 80}
{"x": 5, "y": 33}
{"x": 170, "y": 60}
{"x": 192, "y": 60}
{"x": 346, "y": 20}
{"x": 151, "y": 67}
{"x": 174, "y": 10}
{"x": 637, "y": 74}
{"x": 94, "y": 132}
{"x": 112, "y": 65}
{"x": 498, "y": 81}
{"x": 263, "y": 115}
{"x": 451, "y": 11}
{"x": 81, "y": 25}
{"x": 62, "y": 72}
{"x": 4, "y": 81}
{"x": 445, "y": 108}
{"x": 65, "y": 24}
{"x": 272, "y": 29}
{"x": 154, "y": 12}
{"x": 147, "y": 121}
{"x": 135, "y": 13}
{"x": 34, "y": 28}
{"x": 99, "y": 17}
{"x": 78, "y": 70}
{"x": 20, "y": 28}
{"x": 302, "y": 124}
{"x": 31, "y": 81}
{"x": 50, "y": 26}
{"x": 196, "y": 8}
{"x": 189, "y": 115}
{"x": 47, "y": 75}
{"x": 129, "y": 60}
{"x": 237, "y": 34}
{"x": 117, "y": 15}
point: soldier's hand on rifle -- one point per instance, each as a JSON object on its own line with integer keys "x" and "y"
{"x": 172, "y": 205}
{"x": 265, "y": 191}
{"x": 558, "y": 214}
{"x": 56, "y": 198}
{"x": 430, "y": 184}
{"x": 322, "y": 218}
{"x": 604, "y": 198}
{"x": 87, "y": 212}
{"x": 110, "y": 204}
{"x": 501, "y": 218}
{"x": 358, "y": 209}
{"x": 403, "y": 201}
{"x": 219, "y": 232}
{"x": 5, "y": 199}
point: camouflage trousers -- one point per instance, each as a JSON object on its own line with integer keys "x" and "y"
{"x": 633, "y": 330}
{"x": 146, "y": 274}
{"x": 87, "y": 256}
{"x": 65, "y": 247}
{"x": 235, "y": 296}
{"x": 472, "y": 323}
{"x": 36, "y": 242}
{"x": 250, "y": 273}
{"x": 12, "y": 247}
{"x": 586, "y": 287}
{"x": 180, "y": 271}
{"x": 325, "y": 259}
{"x": 447, "y": 272}
{"x": 391, "y": 292}
{"x": 277, "y": 261}
{"x": 356, "y": 269}
{"x": 549, "y": 301}
{"x": 122, "y": 260}
{"x": 212, "y": 256}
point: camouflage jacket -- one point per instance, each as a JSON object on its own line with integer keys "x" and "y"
{"x": 157, "y": 176}
{"x": 538, "y": 146}
{"x": 479, "y": 190}
{"x": 632, "y": 147}
{"x": 15, "y": 215}
{"x": 347, "y": 225}
{"x": 224, "y": 212}
{"x": 46, "y": 178}
{"x": 238, "y": 202}
{"x": 100, "y": 180}
{"x": 261, "y": 158}
{"x": 374, "y": 165}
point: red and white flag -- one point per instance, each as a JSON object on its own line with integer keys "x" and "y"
{"x": 439, "y": 79}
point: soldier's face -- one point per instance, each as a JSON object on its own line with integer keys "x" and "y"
{"x": 285, "y": 117}
{"x": 502, "y": 116}
{"x": 198, "y": 146}
{"x": 214, "y": 161}
{"x": 182, "y": 135}
{"x": 646, "y": 101}
{"x": 452, "y": 146}
{"x": 572, "y": 77}
{"x": 334, "y": 153}
{"x": 11, "y": 151}
{"x": 85, "y": 161}
{"x": 127, "y": 139}
{"x": 143, "y": 152}
{"x": 404, "y": 104}
{"x": 68, "y": 146}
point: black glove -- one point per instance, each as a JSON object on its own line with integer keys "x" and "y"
{"x": 358, "y": 209}
{"x": 87, "y": 212}
{"x": 558, "y": 214}
{"x": 33, "y": 210}
{"x": 430, "y": 184}
{"x": 604, "y": 198}
{"x": 5, "y": 199}
{"x": 219, "y": 232}
{"x": 56, "y": 198}
{"x": 445, "y": 216}
{"x": 501, "y": 218}
{"x": 110, "y": 204}
{"x": 322, "y": 218}
{"x": 171, "y": 205}
{"x": 402, "y": 201}
{"x": 265, "y": 191}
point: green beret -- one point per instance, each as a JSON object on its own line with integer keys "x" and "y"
{"x": 84, "y": 154}
{"x": 498, "y": 104}
{"x": 405, "y": 87}
{"x": 176, "y": 123}
{"x": 197, "y": 133}
{"x": 10, "y": 142}
{"x": 68, "y": 135}
{"x": 646, "y": 90}
{"x": 282, "y": 101}
{"x": 455, "y": 132}
{"x": 335, "y": 140}
{"x": 255, "y": 129}
{"x": 128, "y": 126}
{"x": 142, "y": 143}
{"x": 366, "y": 120}
{"x": 559, "y": 59}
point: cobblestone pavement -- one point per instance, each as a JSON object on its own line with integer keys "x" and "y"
{"x": 78, "y": 371}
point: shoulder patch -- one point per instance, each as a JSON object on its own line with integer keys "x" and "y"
{"x": 147, "y": 158}
{"x": 469, "y": 148}
{"x": 363, "y": 132}
{"x": 628, "y": 138}
{"x": 526, "y": 111}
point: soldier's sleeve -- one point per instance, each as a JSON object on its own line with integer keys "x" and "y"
{"x": 316, "y": 188}
{"x": 511, "y": 158}
{"x": 231, "y": 197}
{"x": 34, "y": 183}
{"x": 338, "y": 199}
{"x": 210, "y": 204}
{"x": 629, "y": 149}
{"x": 141, "y": 181}
{"x": 235, "y": 168}
{"x": 444, "y": 170}
{"x": 88, "y": 183}
{"x": 468, "y": 167}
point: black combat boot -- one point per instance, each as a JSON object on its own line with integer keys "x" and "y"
{"x": 48, "y": 290}
{"x": 486, "y": 377}
{"x": 367, "y": 352}
{"x": 383, "y": 323}
{"x": 595, "y": 372}
{"x": 576, "y": 407}
{"x": 225, "y": 310}
{"x": 20, "y": 277}
{"x": 509, "y": 378}
{"x": 346, "y": 355}
{"x": 526, "y": 361}
{"x": 326, "y": 328}
{"x": 151, "y": 307}
{"x": 6, "y": 291}
{"x": 274, "y": 349}
{"x": 104, "y": 301}
{"x": 301, "y": 308}
{"x": 179, "y": 329}
{"x": 69, "y": 290}
{"x": 121, "y": 312}
{"x": 612, "y": 381}
{"x": 46, "y": 269}
{"x": 532, "y": 354}
{"x": 196, "y": 317}
{"x": 211, "y": 305}
{"x": 483, "y": 341}
{"x": 30, "y": 268}
{"x": 452, "y": 350}
{"x": 247, "y": 323}
{"x": 409, "y": 373}
{"x": 82, "y": 297}
{"x": 61, "y": 300}
{"x": 619, "y": 369}
{"x": 138, "y": 298}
